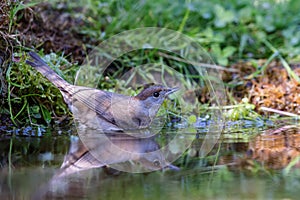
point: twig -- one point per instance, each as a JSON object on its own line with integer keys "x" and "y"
{"x": 199, "y": 64}
{"x": 278, "y": 111}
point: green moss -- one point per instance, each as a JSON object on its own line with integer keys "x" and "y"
{"x": 32, "y": 97}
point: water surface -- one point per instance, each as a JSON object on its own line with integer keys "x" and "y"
{"x": 262, "y": 166}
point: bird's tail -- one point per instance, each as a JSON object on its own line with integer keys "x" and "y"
{"x": 40, "y": 65}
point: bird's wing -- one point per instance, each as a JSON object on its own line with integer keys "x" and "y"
{"x": 97, "y": 100}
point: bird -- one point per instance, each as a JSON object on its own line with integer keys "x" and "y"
{"x": 105, "y": 110}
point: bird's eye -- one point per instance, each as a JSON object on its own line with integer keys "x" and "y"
{"x": 156, "y": 94}
{"x": 156, "y": 163}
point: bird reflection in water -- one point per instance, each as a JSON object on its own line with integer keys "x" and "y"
{"x": 121, "y": 151}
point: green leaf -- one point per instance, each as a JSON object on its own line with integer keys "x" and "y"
{"x": 223, "y": 17}
{"x": 35, "y": 109}
{"x": 46, "y": 114}
{"x": 228, "y": 51}
{"x": 192, "y": 119}
{"x": 222, "y": 61}
{"x": 216, "y": 49}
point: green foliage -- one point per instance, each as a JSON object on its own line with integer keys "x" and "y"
{"x": 192, "y": 119}
{"x": 244, "y": 110}
{"x": 16, "y": 7}
{"x": 223, "y": 17}
{"x": 229, "y": 30}
{"x": 226, "y": 24}
{"x": 222, "y": 55}
{"x": 39, "y": 98}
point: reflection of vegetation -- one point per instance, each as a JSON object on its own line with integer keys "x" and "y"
{"x": 31, "y": 152}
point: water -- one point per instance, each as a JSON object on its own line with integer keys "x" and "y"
{"x": 257, "y": 167}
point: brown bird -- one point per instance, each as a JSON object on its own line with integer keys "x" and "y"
{"x": 106, "y": 110}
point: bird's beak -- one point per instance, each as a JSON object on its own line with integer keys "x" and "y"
{"x": 173, "y": 167}
{"x": 171, "y": 90}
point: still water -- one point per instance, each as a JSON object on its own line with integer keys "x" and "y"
{"x": 262, "y": 166}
